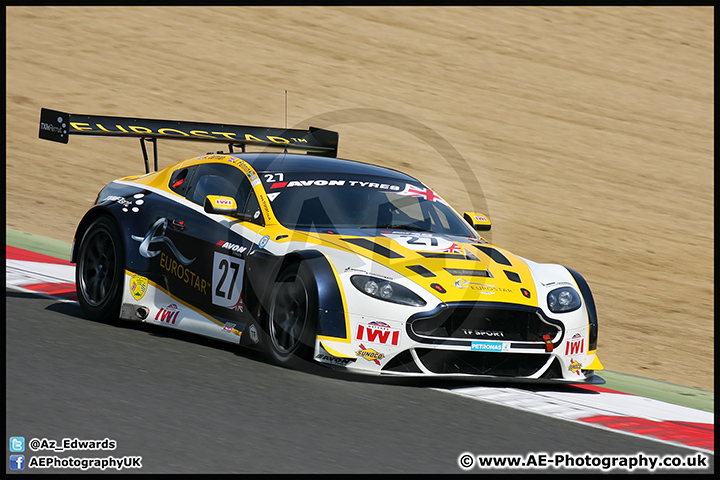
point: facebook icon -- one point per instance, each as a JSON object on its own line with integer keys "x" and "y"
{"x": 17, "y": 462}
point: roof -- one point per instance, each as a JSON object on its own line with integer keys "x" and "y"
{"x": 303, "y": 163}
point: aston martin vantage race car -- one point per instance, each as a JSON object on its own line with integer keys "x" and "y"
{"x": 309, "y": 257}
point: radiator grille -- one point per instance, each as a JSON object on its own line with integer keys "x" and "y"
{"x": 485, "y": 322}
{"x": 481, "y": 363}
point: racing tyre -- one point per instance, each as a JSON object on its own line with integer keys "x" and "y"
{"x": 99, "y": 270}
{"x": 292, "y": 317}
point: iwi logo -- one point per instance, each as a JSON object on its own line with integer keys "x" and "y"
{"x": 378, "y": 332}
{"x": 575, "y": 345}
{"x": 168, "y": 314}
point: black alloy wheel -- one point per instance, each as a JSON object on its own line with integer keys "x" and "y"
{"x": 292, "y": 316}
{"x": 99, "y": 270}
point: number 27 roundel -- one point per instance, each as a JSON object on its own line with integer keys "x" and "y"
{"x": 227, "y": 281}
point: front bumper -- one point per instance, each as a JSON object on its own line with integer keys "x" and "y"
{"x": 465, "y": 340}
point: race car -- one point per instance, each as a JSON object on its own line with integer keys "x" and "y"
{"x": 312, "y": 258}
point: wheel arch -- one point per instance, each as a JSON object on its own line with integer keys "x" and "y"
{"x": 87, "y": 220}
{"x": 326, "y": 286}
{"x": 107, "y": 263}
{"x": 591, "y": 309}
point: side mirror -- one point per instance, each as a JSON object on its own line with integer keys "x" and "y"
{"x": 478, "y": 221}
{"x": 224, "y": 206}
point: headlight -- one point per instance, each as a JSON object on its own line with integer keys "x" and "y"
{"x": 563, "y": 300}
{"x": 385, "y": 290}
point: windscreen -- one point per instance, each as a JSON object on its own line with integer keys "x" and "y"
{"x": 327, "y": 202}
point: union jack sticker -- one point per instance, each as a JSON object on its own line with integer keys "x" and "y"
{"x": 421, "y": 192}
{"x": 454, "y": 248}
{"x": 239, "y": 304}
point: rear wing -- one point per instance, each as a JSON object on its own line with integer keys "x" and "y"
{"x": 58, "y": 126}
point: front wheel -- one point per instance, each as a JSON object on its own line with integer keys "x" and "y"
{"x": 292, "y": 316}
{"x": 99, "y": 270}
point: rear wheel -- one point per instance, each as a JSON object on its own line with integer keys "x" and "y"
{"x": 292, "y": 316}
{"x": 99, "y": 270}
